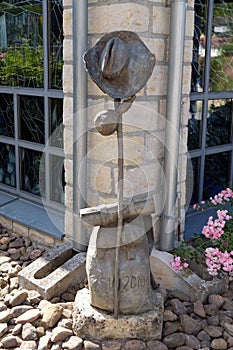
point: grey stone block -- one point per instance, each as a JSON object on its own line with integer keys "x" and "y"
{"x": 55, "y": 271}
{"x": 92, "y": 323}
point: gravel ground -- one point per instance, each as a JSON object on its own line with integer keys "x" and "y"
{"x": 29, "y": 322}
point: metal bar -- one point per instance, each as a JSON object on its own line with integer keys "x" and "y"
{"x": 172, "y": 133}
{"x": 80, "y": 32}
{"x": 120, "y": 196}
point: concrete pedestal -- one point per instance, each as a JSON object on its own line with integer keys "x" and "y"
{"x": 92, "y": 323}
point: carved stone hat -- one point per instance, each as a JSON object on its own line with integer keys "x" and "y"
{"x": 120, "y": 64}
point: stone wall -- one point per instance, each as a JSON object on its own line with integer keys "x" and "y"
{"x": 144, "y": 123}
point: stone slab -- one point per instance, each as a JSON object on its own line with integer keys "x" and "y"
{"x": 186, "y": 280}
{"x": 92, "y": 323}
{"x": 55, "y": 271}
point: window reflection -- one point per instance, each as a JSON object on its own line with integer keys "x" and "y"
{"x": 30, "y": 162}
{"x": 56, "y": 42}
{"x": 57, "y": 179}
{"x": 7, "y": 165}
{"x": 7, "y": 115}
{"x": 56, "y": 119}
{"x": 31, "y": 115}
{"x": 21, "y": 43}
{"x": 221, "y": 63}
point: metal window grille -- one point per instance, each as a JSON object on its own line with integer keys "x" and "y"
{"x": 210, "y": 123}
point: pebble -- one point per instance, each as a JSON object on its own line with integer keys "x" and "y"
{"x": 29, "y": 322}
{"x": 28, "y": 316}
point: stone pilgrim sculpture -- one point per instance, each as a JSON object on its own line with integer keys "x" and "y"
{"x": 117, "y": 265}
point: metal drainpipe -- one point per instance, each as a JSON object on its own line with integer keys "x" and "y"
{"x": 172, "y": 132}
{"x": 80, "y": 34}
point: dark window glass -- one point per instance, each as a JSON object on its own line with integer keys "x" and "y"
{"x": 7, "y": 165}
{"x": 21, "y": 43}
{"x": 57, "y": 179}
{"x": 56, "y": 119}
{"x": 194, "y": 180}
{"x": 31, "y": 115}
{"x": 30, "y": 162}
{"x": 7, "y": 115}
{"x": 194, "y": 125}
{"x": 216, "y": 176}
{"x": 56, "y": 42}
{"x": 219, "y": 122}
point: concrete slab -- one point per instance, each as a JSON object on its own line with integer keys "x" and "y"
{"x": 55, "y": 271}
{"x": 92, "y": 323}
{"x": 6, "y": 198}
{"x": 185, "y": 280}
{"x": 35, "y": 216}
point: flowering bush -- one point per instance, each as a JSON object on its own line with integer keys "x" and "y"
{"x": 215, "y": 245}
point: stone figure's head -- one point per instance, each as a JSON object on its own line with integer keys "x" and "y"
{"x": 120, "y": 64}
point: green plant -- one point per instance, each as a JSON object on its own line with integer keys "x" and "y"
{"x": 22, "y": 66}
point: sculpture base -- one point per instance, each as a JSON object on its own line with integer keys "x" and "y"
{"x": 92, "y": 323}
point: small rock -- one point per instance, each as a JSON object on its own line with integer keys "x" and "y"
{"x": 192, "y": 342}
{"x": 51, "y": 315}
{"x": 3, "y": 306}
{"x": 111, "y": 345}
{"x": 178, "y": 307}
{"x": 75, "y": 343}
{"x": 214, "y": 331}
{"x": 40, "y": 331}
{"x": 28, "y": 316}
{"x": 35, "y": 254}
{"x": 216, "y": 299}
{"x": 211, "y": 309}
{"x": 30, "y": 345}
{"x": 4, "y": 259}
{"x": 5, "y": 240}
{"x": 44, "y": 342}
{"x": 14, "y": 283}
{"x": 67, "y": 296}
{"x": 18, "y": 298}
{"x": 219, "y": 344}
{"x": 89, "y": 345}
{"x": 199, "y": 309}
{"x": 29, "y": 332}
{"x": 228, "y": 305}
{"x": 17, "y": 329}
{"x": 174, "y": 340}
{"x": 3, "y": 329}
{"x": 228, "y": 327}
{"x": 169, "y": 316}
{"x": 189, "y": 325}
{"x": 169, "y": 328}
{"x": 156, "y": 344}
{"x": 11, "y": 341}
{"x": 5, "y": 316}
{"x": 60, "y": 333}
{"x": 18, "y": 243}
{"x": 134, "y": 345}
{"x": 19, "y": 310}
{"x": 34, "y": 297}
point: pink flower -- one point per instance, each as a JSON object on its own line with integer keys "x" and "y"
{"x": 177, "y": 263}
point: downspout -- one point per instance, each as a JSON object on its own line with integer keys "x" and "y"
{"x": 80, "y": 34}
{"x": 172, "y": 131}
